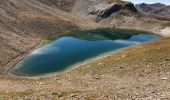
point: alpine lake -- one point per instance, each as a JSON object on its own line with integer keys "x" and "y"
{"x": 67, "y": 50}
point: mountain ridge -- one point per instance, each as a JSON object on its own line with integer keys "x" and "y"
{"x": 157, "y": 9}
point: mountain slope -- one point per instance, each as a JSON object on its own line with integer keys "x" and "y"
{"x": 25, "y": 23}
{"x": 120, "y": 14}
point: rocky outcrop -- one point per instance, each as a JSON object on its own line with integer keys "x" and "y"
{"x": 129, "y": 6}
{"x": 105, "y": 10}
{"x": 165, "y": 32}
{"x": 98, "y": 10}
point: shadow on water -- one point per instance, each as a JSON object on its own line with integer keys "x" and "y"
{"x": 99, "y": 34}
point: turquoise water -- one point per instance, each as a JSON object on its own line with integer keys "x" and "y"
{"x": 78, "y": 46}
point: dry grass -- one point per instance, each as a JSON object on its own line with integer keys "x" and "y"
{"x": 138, "y": 72}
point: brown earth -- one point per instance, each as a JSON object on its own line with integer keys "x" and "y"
{"x": 139, "y": 72}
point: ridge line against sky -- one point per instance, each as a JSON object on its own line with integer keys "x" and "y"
{"x": 167, "y": 2}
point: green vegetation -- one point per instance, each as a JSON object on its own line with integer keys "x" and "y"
{"x": 51, "y": 39}
{"x": 1, "y": 68}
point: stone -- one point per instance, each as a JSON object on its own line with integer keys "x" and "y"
{"x": 41, "y": 83}
{"x": 100, "y": 64}
{"x": 73, "y": 95}
{"x": 54, "y": 93}
{"x": 158, "y": 48}
{"x": 37, "y": 82}
{"x": 121, "y": 67}
{"x": 164, "y": 78}
{"x": 59, "y": 94}
{"x": 97, "y": 77}
{"x": 59, "y": 82}
{"x": 123, "y": 56}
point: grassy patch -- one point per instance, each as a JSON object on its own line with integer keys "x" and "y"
{"x": 1, "y": 68}
{"x": 16, "y": 95}
{"x": 166, "y": 25}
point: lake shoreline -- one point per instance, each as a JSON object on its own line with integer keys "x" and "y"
{"x": 16, "y": 60}
{"x": 12, "y": 64}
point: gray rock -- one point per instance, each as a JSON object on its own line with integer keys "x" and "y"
{"x": 164, "y": 78}
{"x": 129, "y": 6}
{"x": 73, "y": 95}
{"x": 97, "y": 78}
{"x": 57, "y": 94}
{"x": 109, "y": 10}
{"x": 104, "y": 10}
